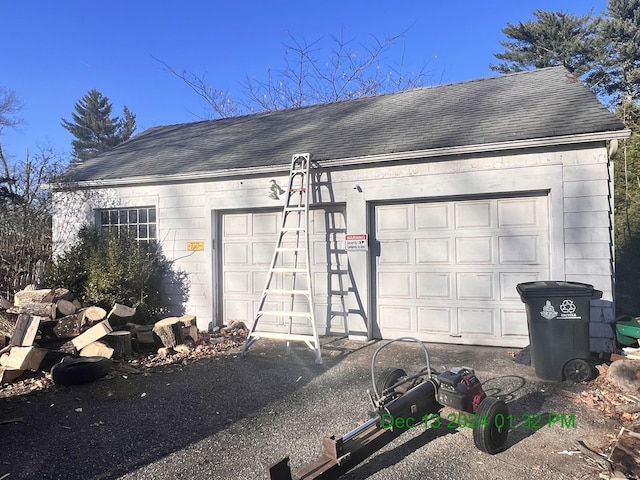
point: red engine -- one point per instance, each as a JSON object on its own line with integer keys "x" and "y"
{"x": 459, "y": 388}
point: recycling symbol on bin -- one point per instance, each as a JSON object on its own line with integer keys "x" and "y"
{"x": 568, "y": 307}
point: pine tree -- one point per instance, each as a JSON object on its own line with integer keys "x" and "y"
{"x": 94, "y": 129}
{"x": 618, "y": 72}
{"x": 555, "y": 38}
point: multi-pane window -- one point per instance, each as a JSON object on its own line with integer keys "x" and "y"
{"x": 140, "y": 222}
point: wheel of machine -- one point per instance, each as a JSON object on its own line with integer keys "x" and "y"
{"x": 80, "y": 370}
{"x": 577, "y": 370}
{"x": 490, "y": 434}
{"x": 391, "y": 378}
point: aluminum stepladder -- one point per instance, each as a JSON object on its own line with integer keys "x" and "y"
{"x": 289, "y": 274}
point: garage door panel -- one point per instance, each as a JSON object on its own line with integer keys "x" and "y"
{"x": 395, "y": 317}
{"x": 465, "y": 258}
{"x": 238, "y": 310}
{"x": 262, "y": 253}
{"x": 236, "y": 225}
{"x": 396, "y": 251}
{"x": 433, "y": 250}
{"x": 514, "y": 322}
{"x": 474, "y": 250}
{"x": 393, "y": 218}
{"x": 430, "y": 217}
{"x": 237, "y": 282}
{"x": 266, "y": 223}
{"x": 476, "y": 320}
{"x": 519, "y": 249}
{"x": 473, "y": 214}
{"x": 236, "y": 253}
{"x": 433, "y": 285}
{"x": 434, "y": 320}
{"x": 518, "y": 212}
{"x": 395, "y": 285}
{"x": 474, "y": 286}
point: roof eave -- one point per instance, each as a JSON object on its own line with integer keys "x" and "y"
{"x": 387, "y": 157}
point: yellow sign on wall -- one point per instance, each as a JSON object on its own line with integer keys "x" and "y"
{"x": 195, "y": 245}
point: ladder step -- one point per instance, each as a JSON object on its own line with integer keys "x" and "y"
{"x": 283, "y": 336}
{"x": 289, "y": 270}
{"x": 292, "y": 229}
{"x": 280, "y": 291}
{"x": 296, "y": 209}
{"x": 282, "y": 313}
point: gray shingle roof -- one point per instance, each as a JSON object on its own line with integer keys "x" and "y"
{"x": 522, "y": 106}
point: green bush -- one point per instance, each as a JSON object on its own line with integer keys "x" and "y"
{"x": 115, "y": 268}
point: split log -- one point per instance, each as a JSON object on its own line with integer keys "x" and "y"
{"x": 91, "y": 315}
{"x": 38, "y": 309}
{"x": 7, "y": 323}
{"x": 5, "y": 304}
{"x": 26, "y": 329}
{"x": 63, "y": 294}
{"x": 8, "y": 375}
{"x": 190, "y": 333}
{"x": 97, "y": 349}
{"x": 65, "y": 308}
{"x": 23, "y": 358}
{"x": 25, "y": 297}
{"x": 94, "y": 333}
{"x": 120, "y": 314}
{"x": 67, "y": 327}
{"x": 188, "y": 320}
{"x": 625, "y": 455}
{"x": 169, "y": 330}
{"x": 120, "y": 341}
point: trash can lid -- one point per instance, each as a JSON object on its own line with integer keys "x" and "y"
{"x": 556, "y": 288}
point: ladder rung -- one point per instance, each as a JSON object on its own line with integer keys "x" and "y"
{"x": 288, "y": 292}
{"x": 284, "y": 336}
{"x": 295, "y": 209}
{"x": 293, "y": 229}
{"x": 282, "y": 313}
{"x": 288, "y": 270}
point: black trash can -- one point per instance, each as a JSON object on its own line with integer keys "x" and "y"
{"x": 558, "y": 315}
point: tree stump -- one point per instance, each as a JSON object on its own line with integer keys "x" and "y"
{"x": 120, "y": 341}
{"x": 169, "y": 331}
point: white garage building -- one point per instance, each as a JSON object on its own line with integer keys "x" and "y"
{"x": 463, "y": 190}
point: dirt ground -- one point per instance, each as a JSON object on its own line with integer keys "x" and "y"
{"x": 211, "y": 413}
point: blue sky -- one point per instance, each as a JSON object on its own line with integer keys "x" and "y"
{"x": 54, "y": 52}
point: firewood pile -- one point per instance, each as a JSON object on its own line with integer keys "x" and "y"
{"x": 43, "y": 326}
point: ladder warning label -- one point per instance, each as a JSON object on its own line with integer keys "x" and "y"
{"x": 358, "y": 242}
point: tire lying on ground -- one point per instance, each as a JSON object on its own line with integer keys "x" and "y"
{"x": 76, "y": 371}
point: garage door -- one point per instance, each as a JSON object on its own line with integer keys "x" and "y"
{"x": 248, "y": 242}
{"x": 447, "y": 271}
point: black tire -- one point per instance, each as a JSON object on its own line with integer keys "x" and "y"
{"x": 490, "y": 435}
{"x": 391, "y": 378}
{"x": 578, "y": 370}
{"x": 80, "y": 370}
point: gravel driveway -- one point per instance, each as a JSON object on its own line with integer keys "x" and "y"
{"x": 230, "y": 417}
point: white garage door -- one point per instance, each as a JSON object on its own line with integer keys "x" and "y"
{"x": 447, "y": 271}
{"x": 248, "y": 242}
